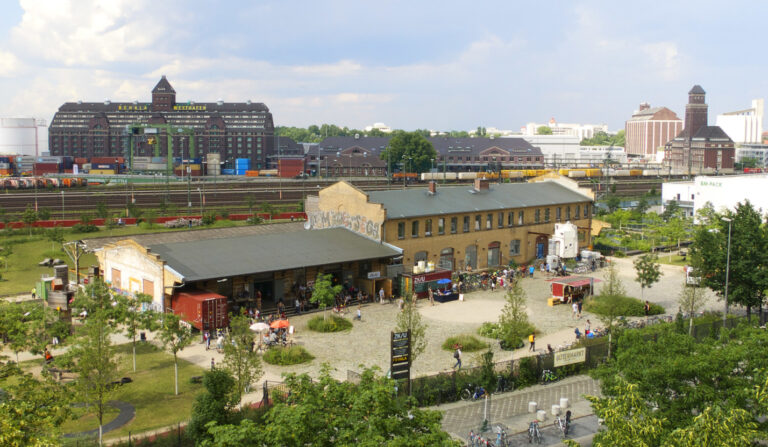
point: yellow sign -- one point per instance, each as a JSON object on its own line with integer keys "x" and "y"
{"x": 189, "y": 107}
{"x": 570, "y": 357}
{"x": 133, "y": 107}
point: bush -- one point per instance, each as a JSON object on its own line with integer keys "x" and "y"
{"x": 468, "y": 342}
{"x": 490, "y": 330}
{"x": 511, "y": 338}
{"x": 333, "y": 323}
{"x": 624, "y": 306}
{"x": 84, "y": 228}
{"x": 287, "y": 356}
{"x": 209, "y": 218}
{"x": 619, "y": 254}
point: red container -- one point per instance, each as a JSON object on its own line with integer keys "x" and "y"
{"x": 204, "y": 310}
{"x": 45, "y": 168}
{"x": 81, "y": 161}
{"x": 107, "y": 160}
{"x": 292, "y": 167}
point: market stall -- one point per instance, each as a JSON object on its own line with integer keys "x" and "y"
{"x": 570, "y": 288}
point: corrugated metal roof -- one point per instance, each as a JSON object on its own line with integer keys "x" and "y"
{"x": 464, "y": 199}
{"x": 245, "y": 255}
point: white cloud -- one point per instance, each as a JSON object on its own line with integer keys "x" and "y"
{"x": 664, "y": 58}
{"x": 10, "y": 65}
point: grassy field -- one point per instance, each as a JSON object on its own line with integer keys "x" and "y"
{"x": 676, "y": 259}
{"x": 151, "y": 392}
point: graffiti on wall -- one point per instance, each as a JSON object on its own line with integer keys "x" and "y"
{"x": 356, "y": 223}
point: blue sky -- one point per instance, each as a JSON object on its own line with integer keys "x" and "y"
{"x": 410, "y": 64}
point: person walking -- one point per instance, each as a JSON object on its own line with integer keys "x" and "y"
{"x": 647, "y": 308}
{"x": 213, "y": 364}
{"x": 381, "y": 295}
{"x": 34, "y": 293}
{"x": 575, "y": 307}
{"x": 586, "y": 328}
{"x": 207, "y": 340}
{"x": 531, "y": 269}
{"x": 532, "y": 340}
{"x": 431, "y": 296}
{"x": 580, "y": 302}
{"x": 457, "y": 356}
{"x": 359, "y": 315}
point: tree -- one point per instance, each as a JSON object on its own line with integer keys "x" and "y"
{"x": 55, "y": 235}
{"x": 94, "y": 353}
{"x": 543, "y": 130}
{"x": 136, "y": 318}
{"x": 44, "y": 214}
{"x": 641, "y": 207}
{"x": 612, "y": 288}
{"x": 175, "y": 337}
{"x": 674, "y": 231}
{"x": 409, "y": 319}
{"x": 715, "y": 426}
{"x": 692, "y": 300}
{"x": 514, "y": 318}
{"x": 613, "y": 203}
{"x": 240, "y": 359}
{"x": 29, "y": 217}
{"x": 324, "y": 292}
{"x": 671, "y": 209}
{"x": 648, "y": 271}
{"x": 268, "y": 209}
{"x": 326, "y": 412}
{"x": 214, "y": 405}
{"x": 250, "y": 202}
{"x": 412, "y": 148}
{"x": 102, "y": 212}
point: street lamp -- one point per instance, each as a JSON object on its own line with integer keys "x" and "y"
{"x": 201, "y": 200}
{"x": 727, "y": 268}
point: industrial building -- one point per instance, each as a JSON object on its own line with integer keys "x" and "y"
{"x": 650, "y": 129}
{"x": 744, "y": 126}
{"x": 723, "y": 192}
{"x": 23, "y": 136}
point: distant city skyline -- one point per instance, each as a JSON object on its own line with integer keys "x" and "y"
{"x": 436, "y": 65}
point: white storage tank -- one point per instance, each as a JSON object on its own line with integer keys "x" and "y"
{"x": 23, "y": 136}
{"x": 566, "y": 238}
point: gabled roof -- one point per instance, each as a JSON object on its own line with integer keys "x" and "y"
{"x": 413, "y": 202}
{"x": 697, "y": 90}
{"x": 711, "y": 133}
{"x": 651, "y": 114}
{"x": 163, "y": 86}
{"x": 246, "y": 255}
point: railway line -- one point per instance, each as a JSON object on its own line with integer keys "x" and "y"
{"x": 230, "y": 196}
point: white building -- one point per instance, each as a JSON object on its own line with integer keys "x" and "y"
{"x": 580, "y": 131}
{"x": 379, "y": 126}
{"x": 744, "y": 126}
{"x": 723, "y": 192}
{"x": 565, "y": 150}
{"x": 23, "y": 136}
{"x": 757, "y": 152}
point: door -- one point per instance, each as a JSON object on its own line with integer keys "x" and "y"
{"x": 116, "y": 279}
{"x": 539, "y": 250}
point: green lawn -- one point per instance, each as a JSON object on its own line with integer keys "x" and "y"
{"x": 676, "y": 259}
{"x": 151, "y": 392}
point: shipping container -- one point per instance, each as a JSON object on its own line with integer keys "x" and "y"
{"x": 206, "y": 311}
{"x": 227, "y": 172}
{"x": 104, "y": 166}
{"x": 251, "y": 173}
{"x": 103, "y": 171}
{"x": 81, "y": 160}
{"x": 107, "y": 160}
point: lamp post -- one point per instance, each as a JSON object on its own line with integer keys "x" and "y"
{"x": 727, "y": 268}
{"x": 62, "y": 202}
{"x": 201, "y": 200}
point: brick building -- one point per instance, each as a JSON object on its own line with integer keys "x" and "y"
{"x": 100, "y": 129}
{"x": 699, "y": 148}
{"x": 649, "y": 130}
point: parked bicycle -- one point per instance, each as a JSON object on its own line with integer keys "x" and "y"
{"x": 503, "y": 384}
{"x": 548, "y": 376}
{"x": 473, "y": 392}
{"x": 501, "y": 437}
{"x": 534, "y": 434}
{"x": 563, "y": 424}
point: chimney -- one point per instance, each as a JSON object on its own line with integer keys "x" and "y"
{"x": 644, "y": 106}
{"x": 481, "y": 184}
{"x": 432, "y": 187}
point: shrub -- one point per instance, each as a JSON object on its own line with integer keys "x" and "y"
{"x": 490, "y": 330}
{"x": 511, "y": 338}
{"x": 333, "y": 323}
{"x": 84, "y": 228}
{"x": 619, "y": 254}
{"x": 622, "y": 305}
{"x": 468, "y": 342}
{"x": 287, "y": 356}
{"x": 209, "y": 218}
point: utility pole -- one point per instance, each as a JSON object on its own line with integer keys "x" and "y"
{"x": 75, "y": 249}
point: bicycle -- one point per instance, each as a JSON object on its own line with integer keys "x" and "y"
{"x": 501, "y": 437}
{"x": 547, "y": 376}
{"x": 473, "y": 392}
{"x": 534, "y": 435}
{"x": 503, "y": 384}
{"x": 563, "y": 425}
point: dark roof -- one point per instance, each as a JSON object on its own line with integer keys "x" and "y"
{"x": 443, "y": 145}
{"x": 245, "y": 255}
{"x": 163, "y": 86}
{"x": 711, "y": 133}
{"x": 210, "y": 107}
{"x": 413, "y": 202}
{"x": 697, "y": 90}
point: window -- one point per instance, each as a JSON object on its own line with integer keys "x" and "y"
{"x": 546, "y": 214}
{"x": 494, "y": 256}
{"x": 415, "y": 228}
{"x": 470, "y": 256}
{"x": 428, "y": 227}
{"x": 576, "y": 211}
{"x": 446, "y": 258}
{"x": 501, "y": 220}
{"x": 454, "y": 224}
{"x": 586, "y": 210}
{"x": 401, "y": 230}
{"x": 441, "y": 226}
{"x": 520, "y": 217}
{"x": 537, "y": 216}
{"x": 514, "y": 247}
{"x": 478, "y": 222}
{"x": 489, "y": 221}
{"x": 466, "y": 224}
{"x": 568, "y": 212}
{"x": 511, "y": 218}
{"x": 420, "y": 256}
{"x": 558, "y": 213}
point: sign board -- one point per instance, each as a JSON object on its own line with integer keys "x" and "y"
{"x": 374, "y": 275}
{"x": 149, "y": 130}
{"x": 400, "y": 352}
{"x": 570, "y": 357}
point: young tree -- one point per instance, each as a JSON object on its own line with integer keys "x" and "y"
{"x": 29, "y": 217}
{"x": 514, "y": 317}
{"x": 250, "y": 202}
{"x": 691, "y": 299}
{"x": 671, "y": 210}
{"x": 612, "y": 288}
{"x": 411, "y": 146}
{"x": 55, "y": 235}
{"x": 268, "y": 209}
{"x": 136, "y": 319}
{"x": 543, "y": 130}
{"x": 239, "y": 357}
{"x": 324, "y": 293}
{"x": 214, "y": 405}
{"x": 175, "y": 337}
{"x": 94, "y": 353}
{"x": 44, "y": 214}
{"x": 410, "y": 320}
{"x": 102, "y": 212}
{"x": 674, "y": 230}
{"x": 648, "y": 271}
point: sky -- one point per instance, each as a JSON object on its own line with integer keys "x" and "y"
{"x": 441, "y": 65}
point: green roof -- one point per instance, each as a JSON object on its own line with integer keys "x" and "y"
{"x": 416, "y": 202}
{"x": 245, "y": 255}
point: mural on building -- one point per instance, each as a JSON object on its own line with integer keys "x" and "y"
{"x": 356, "y": 223}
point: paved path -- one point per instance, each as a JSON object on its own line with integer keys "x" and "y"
{"x": 510, "y": 410}
{"x": 127, "y": 412}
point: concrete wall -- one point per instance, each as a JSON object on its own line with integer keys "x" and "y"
{"x": 135, "y": 265}
{"x": 343, "y": 205}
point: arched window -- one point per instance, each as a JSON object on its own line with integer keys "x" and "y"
{"x": 470, "y": 256}
{"x": 420, "y": 256}
{"x": 446, "y": 258}
{"x": 494, "y": 254}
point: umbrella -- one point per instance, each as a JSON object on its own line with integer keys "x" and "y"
{"x": 259, "y": 327}
{"x": 279, "y": 324}
{"x": 444, "y": 281}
